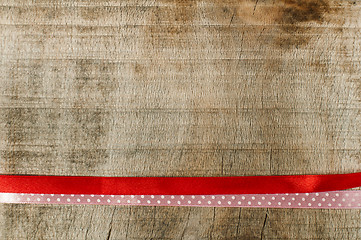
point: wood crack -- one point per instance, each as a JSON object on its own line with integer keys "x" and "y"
{"x": 264, "y": 224}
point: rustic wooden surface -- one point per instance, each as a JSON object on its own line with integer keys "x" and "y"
{"x": 179, "y": 88}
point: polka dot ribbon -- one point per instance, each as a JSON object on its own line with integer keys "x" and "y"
{"x": 291, "y": 191}
{"x": 334, "y": 199}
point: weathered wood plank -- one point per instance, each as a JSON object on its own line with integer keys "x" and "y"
{"x": 179, "y": 88}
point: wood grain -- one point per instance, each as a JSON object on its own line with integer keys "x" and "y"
{"x": 179, "y": 88}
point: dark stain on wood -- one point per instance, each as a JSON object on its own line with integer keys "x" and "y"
{"x": 298, "y": 11}
{"x": 292, "y": 18}
{"x": 289, "y": 16}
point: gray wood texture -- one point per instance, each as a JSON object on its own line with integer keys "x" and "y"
{"x": 179, "y": 88}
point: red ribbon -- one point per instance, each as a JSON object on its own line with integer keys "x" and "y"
{"x": 177, "y": 185}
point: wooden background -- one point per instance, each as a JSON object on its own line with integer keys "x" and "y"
{"x": 179, "y": 88}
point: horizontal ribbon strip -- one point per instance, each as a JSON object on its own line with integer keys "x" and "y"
{"x": 177, "y": 185}
{"x": 330, "y": 200}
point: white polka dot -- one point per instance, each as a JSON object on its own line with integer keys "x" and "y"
{"x": 92, "y": 195}
{"x": 239, "y": 203}
{"x": 203, "y": 197}
{"x": 142, "y": 196}
{"x": 58, "y": 199}
{"x": 72, "y": 195}
{"x": 182, "y": 197}
{"x": 229, "y": 203}
{"x": 269, "y": 203}
{"x": 168, "y": 202}
{"x": 88, "y": 200}
{"x": 213, "y": 197}
{"x": 307, "y": 194}
{"x": 162, "y": 197}
{"x": 339, "y": 204}
{"x": 329, "y": 204}
{"x": 209, "y": 202}
{"x": 193, "y": 197}
{"x": 38, "y": 199}
{"x": 259, "y": 203}
{"x": 297, "y": 194}
{"x": 102, "y": 195}
{"x": 189, "y": 202}
{"x": 48, "y": 199}
{"x": 52, "y": 195}
{"x": 219, "y": 202}
{"x": 158, "y": 202}
{"x": 317, "y": 194}
{"x": 283, "y": 198}
{"x": 253, "y": 198}
{"x": 122, "y": 196}
{"x": 243, "y": 197}
{"x": 323, "y": 199}
{"x": 42, "y": 194}
{"x": 353, "y": 199}
{"x": 138, "y": 201}
{"x": 98, "y": 200}
{"x": 78, "y": 200}
{"x": 82, "y": 195}
{"x": 289, "y": 204}
{"x": 233, "y": 197}
{"x": 299, "y": 204}
{"x": 327, "y": 194}
{"x": 132, "y": 196}
{"x": 347, "y": 195}
{"x": 68, "y": 199}
{"x": 343, "y": 199}
{"x": 293, "y": 199}
{"x": 172, "y": 197}
{"x": 199, "y": 202}
{"x": 148, "y": 201}
{"x": 273, "y": 198}
{"x": 313, "y": 199}
{"x": 118, "y": 201}
{"x": 333, "y": 200}
{"x": 152, "y": 196}
{"x": 107, "y": 200}
{"x": 319, "y": 204}
{"x": 309, "y": 204}
{"x": 279, "y": 203}
{"x": 303, "y": 199}
{"x": 112, "y": 196}
{"x": 249, "y": 203}
{"x": 60, "y": 195}
{"x": 128, "y": 201}
{"x": 179, "y": 202}
{"x": 223, "y": 197}
{"x": 337, "y": 195}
